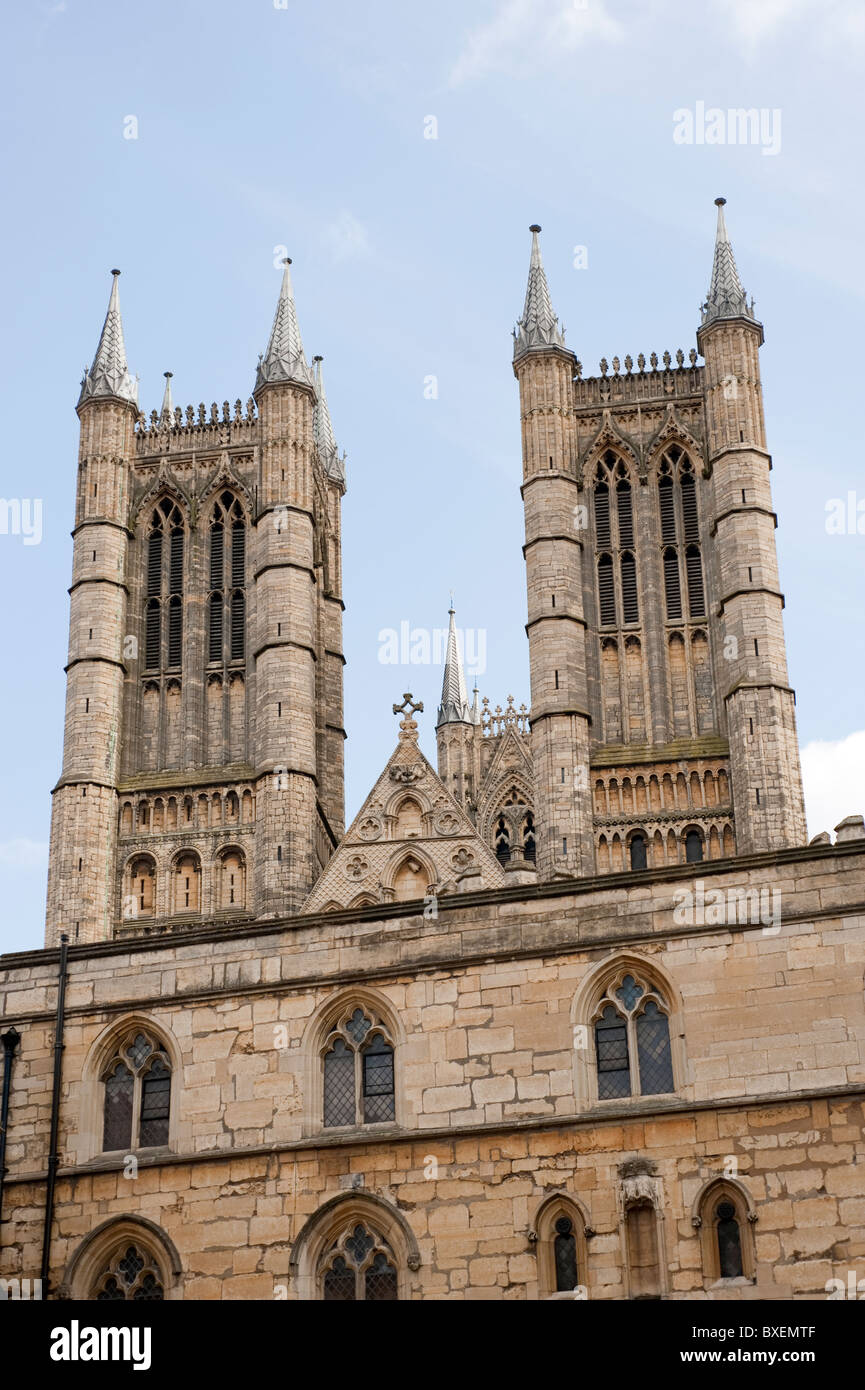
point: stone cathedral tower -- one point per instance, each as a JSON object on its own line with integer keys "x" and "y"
{"x": 663, "y": 725}
{"x": 203, "y": 754}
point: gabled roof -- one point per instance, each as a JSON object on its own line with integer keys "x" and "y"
{"x": 441, "y": 840}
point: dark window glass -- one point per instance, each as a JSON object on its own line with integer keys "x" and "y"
{"x": 639, "y": 855}
{"x": 238, "y": 626}
{"x": 602, "y": 514}
{"x": 214, "y": 643}
{"x": 630, "y": 610}
{"x": 529, "y": 847}
{"x": 694, "y": 571}
{"x": 155, "y": 1100}
{"x": 149, "y": 1290}
{"x": 117, "y": 1129}
{"x": 668, "y": 511}
{"x": 672, "y": 584}
{"x": 151, "y": 635}
{"x": 611, "y": 1041}
{"x": 238, "y": 554}
{"x": 154, "y": 563}
{"x": 503, "y": 841}
{"x": 378, "y": 1095}
{"x": 626, "y": 514}
{"x": 340, "y": 1283}
{"x": 175, "y": 632}
{"x": 380, "y": 1281}
{"x": 130, "y": 1265}
{"x": 111, "y": 1292}
{"x": 339, "y": 1098}
{"x": 606, "y": 591}
{"x": 216, "y": 556}
{"x": 689, "y": 508}
{"x": 693, "y": 847}
{"x": 729, "y": 1241}
{"x": 653, "y": 1051}
{"x": 565, "y": 1250}
{"x": 175, "y": 576}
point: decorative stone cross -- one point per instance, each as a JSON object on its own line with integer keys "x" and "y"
{"x": 408, "y": 726}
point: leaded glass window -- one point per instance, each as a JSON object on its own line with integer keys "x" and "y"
{"x": 632, "y": 1041}
{"x": 137, "y": 1096}
{"x": 729, "y": 1241}
{"x": 359, "y": 1267}
{"x": 131, "y": 1276}
{"x": 565, "y": 1252}
{"x": 358, "y": 1072}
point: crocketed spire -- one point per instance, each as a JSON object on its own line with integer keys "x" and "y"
{"x": 539, "y": 326}
{"x": 322, "y": 429}
{"x": 284, "y": 359}
{"x": 454, "y": 708}
{"x": 109, "y": 375}
{"x": 726, "y": 298}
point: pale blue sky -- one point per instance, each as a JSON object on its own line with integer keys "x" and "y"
{"x": 303, "y": 126}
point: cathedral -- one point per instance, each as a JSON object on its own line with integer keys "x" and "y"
{"x": 576, "y": 1013}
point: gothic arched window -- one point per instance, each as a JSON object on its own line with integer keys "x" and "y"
{"x": 227, "y": 604}
{"x": 359, "y": 1267}
{"x": 164, "y": 588}
{"x": 725, "y": 1218}
{"x": 358, "y": 1072}
{"x": 137, "y": 1095}
{"x": 632, "y": 1041}
{"x": 132, "y": 1276}
{"x": 561, "y": 1248}
{"x": 729, "y": 1240}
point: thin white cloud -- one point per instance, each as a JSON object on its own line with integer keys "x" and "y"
{"x": 347, "y": 238}
{"x": 834, "y": 778}
{"x": 754, "y": 23}
{"x": 24, "y": 854}
{"x": 528, "y": 36}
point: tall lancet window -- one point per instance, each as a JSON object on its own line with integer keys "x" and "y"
{"x": 615, "y": 539}
{"x": 163, "y": 608}
{"x": 226, "y": 610}
{"x": 680, "y": 536}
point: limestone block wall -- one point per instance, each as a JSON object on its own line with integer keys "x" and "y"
{"x": 490, "y": 1008}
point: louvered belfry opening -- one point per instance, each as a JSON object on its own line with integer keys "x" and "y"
{"x": 164, "y": 578}
{"x": 226, "y": 619}
{"x": 615, "y": 542}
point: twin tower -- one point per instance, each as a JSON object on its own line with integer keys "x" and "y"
{"x": 203, "y": 757}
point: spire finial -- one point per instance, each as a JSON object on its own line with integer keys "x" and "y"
{"x": 726, "y": 298}
{"x": 284, "y": 359}
{"x": 109, "y": 374}
{"x": 454, "y": 707}
{"x": 539, "y": 326}
{"x": 167, "y": 403}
